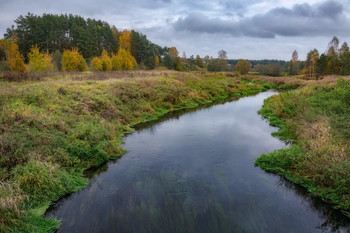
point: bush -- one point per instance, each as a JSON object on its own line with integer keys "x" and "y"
{"x": 39, "y": 62}
{"x": 73, "y": 61}
{"x": 123, "y": 61}
{"x": 96, "y": 64}
{"x": 106, "y": 61}
{"x": 243, "y": 66}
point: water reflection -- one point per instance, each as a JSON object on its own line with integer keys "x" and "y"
{"x": 195, "y": 173}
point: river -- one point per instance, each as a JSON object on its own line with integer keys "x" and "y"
{"x": 194, "y": 172}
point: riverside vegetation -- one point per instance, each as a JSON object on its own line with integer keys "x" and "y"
{"x": 57, "y": 126}
{"x": 53, "y": 129}
{"x": 315, "y": 120}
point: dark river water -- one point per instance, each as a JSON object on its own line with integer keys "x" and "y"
{"x": 194, "y": 172}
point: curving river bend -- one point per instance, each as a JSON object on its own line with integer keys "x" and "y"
{"x": 195, "y": 172}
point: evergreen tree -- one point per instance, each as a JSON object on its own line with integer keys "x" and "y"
{"x": 344, "y": 59}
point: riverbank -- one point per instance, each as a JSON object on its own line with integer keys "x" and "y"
{"x": 56, "y": 127}
{"x": 316, "y": 120}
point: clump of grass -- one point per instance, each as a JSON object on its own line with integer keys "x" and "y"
{"x": 11, "y": 199}
{"x": 315, "y": 120}
{"x": 44, "y": 181}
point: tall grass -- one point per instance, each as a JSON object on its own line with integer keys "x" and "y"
{"x": 316, "y": 120}
{"x": 53, "y": 129}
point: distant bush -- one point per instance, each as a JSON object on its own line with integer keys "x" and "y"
{"x": 217, "y": 65}
{"x": 73, "y": 61}
{"x": 96, "y": 64}
{"x": 123, "y": 61}
{"x": 243, "y": 66}
{"x": 39, "y": 62}
{"x": 106, "y": 61}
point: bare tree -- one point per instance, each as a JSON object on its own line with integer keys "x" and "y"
{"x": 222, "y": 54}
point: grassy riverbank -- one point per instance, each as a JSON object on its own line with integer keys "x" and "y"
{"x": 316, "y": 120}
{"x": 53, "y": 129}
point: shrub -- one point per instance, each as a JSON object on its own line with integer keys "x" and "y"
{"x": 243, "y": 66}
{"x": 39, "y": 62}
{"x": 117, "y": 62}
{"x": 123, "y": 61}
{"x": 106, "y": 61}
{"x": 96, "y": 64}
{"x": 73, "y": 61}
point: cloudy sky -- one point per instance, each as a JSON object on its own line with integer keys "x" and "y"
{"x": 251, "y": 29}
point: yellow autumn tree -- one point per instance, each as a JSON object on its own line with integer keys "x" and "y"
{"x": 156, "y": 61}
{"x": 123, "y": 60}
{"x": 173, "y": 53}
{"x": 106, "y": 61}
{"x": 73, "y": 61}
{"x": 96, "y": 64}
{"x": 5, "y": 46}
{"x": 39, "y": 62}
{"x": 125, "y": 40}
{"x": 14, "y": 59}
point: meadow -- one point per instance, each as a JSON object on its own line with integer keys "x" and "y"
{"x": 54, "y": 127}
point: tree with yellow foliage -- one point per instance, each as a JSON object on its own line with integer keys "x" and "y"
{"x": 5, "y": 46}
{"x": 96, "y": 64}
{"x": 125, "y": 40}
{"x": 156, "y": 61}
{"x": 173, "y": 53}
{"x": 14, "y": 59}
{"x": 106, "y": 61}
{"x": 123, "y": 60}
{"x": 73, "y": 61}
{"x": 39, "y": 62}
{"x": 103, "y": 63}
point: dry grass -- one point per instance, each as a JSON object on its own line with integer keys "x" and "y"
{"x": 316, "y": 120}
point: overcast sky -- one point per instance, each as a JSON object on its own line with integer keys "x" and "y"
{"x": 251, "y": 29}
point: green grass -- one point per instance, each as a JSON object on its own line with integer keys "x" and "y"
{"x": 315, "y": 119}
{"x": 53, "y": 129}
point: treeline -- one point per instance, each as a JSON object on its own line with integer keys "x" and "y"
{"x": 72, "y": 43}
{"x": 64, "y": 39}
{"x": 336, "y": 60}
{"x": 59, "y": 32}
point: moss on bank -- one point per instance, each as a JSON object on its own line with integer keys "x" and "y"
{"x": 315, "y": 119}
{"x": 52, "y": 130}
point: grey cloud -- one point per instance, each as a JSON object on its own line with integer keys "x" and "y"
{"x": 325, "y": 19}
{"x": 238, "y": 6}
{"x": 199, "y": 23}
